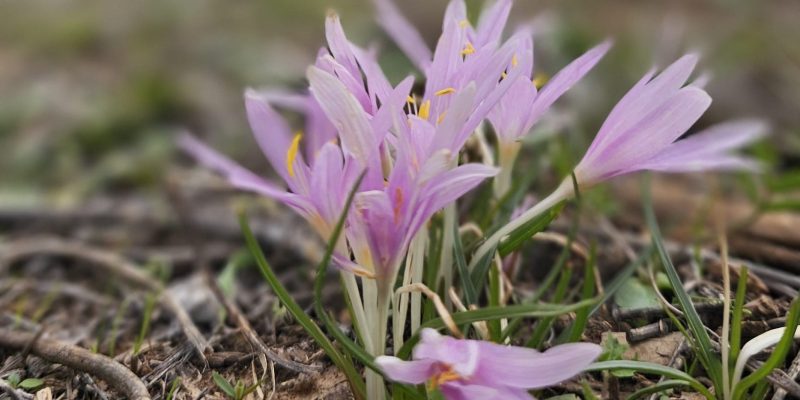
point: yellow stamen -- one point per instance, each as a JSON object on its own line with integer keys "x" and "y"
{"x": 514, "y": 61}
{"x": 539, "y": 80}
{"x": 425, "y": 110}
{"x": 468, "y": 49}
{"x": 440, "y": 118}
{"x": 503, "y": 75}
{"x": 463, "y": 23}
{"x": 291, "y": 154}
{"x": 410, "y": 100}
{"x": 445, "y": 91}
{"x": 445, "y": 376}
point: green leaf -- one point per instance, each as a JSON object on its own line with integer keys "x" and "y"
{"x": 777, "y": 355}
{"x": 738, "y": 313}
{"x": 634, "y": 294}
{"x": 582, "y": 316}
{"x": 13, "y": 379}
{"x": 704, "y": 349}
{"x": 658, "y": 388}
{"x": 31, "y": 383}
{"x": 223, "y": 384}
{"x": 537, "y": 310}
{"x": 651, "y": 368}
{"x": 522, "y": 234}
{"x": 470, "y": 294}
{"x": 297, "y": 312}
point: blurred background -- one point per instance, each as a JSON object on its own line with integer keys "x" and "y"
{"x": 94, "y": 92}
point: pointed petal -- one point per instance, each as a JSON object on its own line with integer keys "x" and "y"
{"x": 451, "y": 185}
{"x": 271, "y": 132}
{"x": 524, "y": 368}
{"x": 407, "y": 38}
{"x": 647, "y": 137}
{"x": 345, "y": 112}
{"x": 339, "y": 45}
{"x": 239, "y": 176}
{"x": 492, "y": 22}
{"x": 566, "y": 78}
{"x": 413, "y": 372}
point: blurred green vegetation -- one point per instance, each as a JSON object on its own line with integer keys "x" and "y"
{"x": 93, "y": 92}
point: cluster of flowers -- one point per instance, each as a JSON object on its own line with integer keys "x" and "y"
{"x": 407, "y": 146}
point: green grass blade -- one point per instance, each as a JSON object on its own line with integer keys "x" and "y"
{"x": 543, "y": 327}
{"x": 696, "y": 326}
{"x": 658, "y": 388}
{"x": 650, "y": 368}
{"x": 582, "y": 316}
{"x": 777, "y": 356}
{"x": 521, "y": 235}
{"x": 738, "y": 314}
{"x": 538, "y": 310}
{"x": 356, "y": 383}
{"x": 470, "y": 293}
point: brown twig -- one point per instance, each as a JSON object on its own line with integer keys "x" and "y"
{"x": 250, "y": 334}
{"x": 78, "y": 358}
{"x": 14, "y": 393}
{"x": 794, "y": 370}
{"x": 113, "y": 264}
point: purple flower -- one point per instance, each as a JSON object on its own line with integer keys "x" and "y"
{"x": 317, "y": 191}
{"x": 522, "y": 106}
{"x": 641, "y": 131}
{"x": 464, "y": 56}
{"x": 474, "y": 369}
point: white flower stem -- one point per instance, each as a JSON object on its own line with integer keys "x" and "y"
{"x": 563, "y": 192}
{"x": 359, "y": 317}
{"x": 418, "y": 253}
{"x": 375, "y": 386}
{"x": 726, "y": 321}
{"x": 446, "y": 260}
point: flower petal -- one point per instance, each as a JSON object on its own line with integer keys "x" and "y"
{"x": 459, "y": 391}
{"x": 524, "y": 368}
{"x": 491, "y": 22}
{"x": 339, "y": 45}
{"x": 239, "y": 176}
{"x": 407, "y": 38}
{"x": 565, "y": 79}
{"x": 413, "y": 372}
{"x": 646, "y": 138}
{"x": 346, "y": 114}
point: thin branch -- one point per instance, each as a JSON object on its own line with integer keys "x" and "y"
{"x": 113, "y": 373}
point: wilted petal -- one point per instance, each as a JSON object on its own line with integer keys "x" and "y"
{"x": 413, "y": 372}
{"x": 404, "y": 34}
{"x": 524, "y": 368}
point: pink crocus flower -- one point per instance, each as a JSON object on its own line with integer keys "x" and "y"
{"x": 643, "y": 131}
{"x": 464, "y": 369}
{"x": 523, "y": 105}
